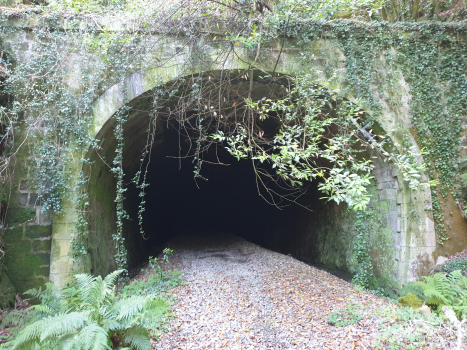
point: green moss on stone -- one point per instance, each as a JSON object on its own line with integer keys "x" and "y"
{"x": 411, "y": 300}
{"x": 384, "y": 206}
{"x": 38, "y": 231}
{"x": 22, "y": 267}
{"x": 20, "y": 215}
{"x": 43, "y": 271}
{"x": 14, "y": 234}
{"x": 42, "y": 246}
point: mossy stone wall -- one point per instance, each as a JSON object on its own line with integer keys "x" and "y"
{"x": 27, "y": 239}
{"x": 403, "y": 215}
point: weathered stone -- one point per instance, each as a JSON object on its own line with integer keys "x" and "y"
{"x": 20, "y": 216}
{"x": 41, "y": 245}
{"x": 441, "y": 260}
{"x": 23, "y": 186}
{"x": 425, "y": 310}
{"x": 43, "y": 271}
{"x": 23, "y": 199}
{"x": 45, "y": 258}
{"x": 38, "y": 231}
{"x": 33, "y": 199}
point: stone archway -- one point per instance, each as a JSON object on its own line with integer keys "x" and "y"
{"x": 411, "y": 242}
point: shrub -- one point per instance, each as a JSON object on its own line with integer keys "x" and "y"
{"x": 453, "y": 265}
{"x": 88, "y": 315}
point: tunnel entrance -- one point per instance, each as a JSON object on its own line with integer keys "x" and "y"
{"x": 230, "y": 200}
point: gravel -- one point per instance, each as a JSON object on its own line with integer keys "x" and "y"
{"x": 238, "y": 295}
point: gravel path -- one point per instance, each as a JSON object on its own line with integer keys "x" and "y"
{"x": 241, "y": 296}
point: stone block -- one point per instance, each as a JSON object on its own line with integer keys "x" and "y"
{"x": 45, "y": 257}
{"x": 23, "y": 199}
{"x": 23, "y": 185}
{"x": 20, "y": 216}
{"x": 43, "y": 271}
{"x": 44, "y": 219}
{"x": 38, "y": 231}
{"x": 441, "y": 260}
{"x": 384, "y": 206}
{"x": 42, "y": 245}
{"x": 33, "y": 199}
{"x": 388, "y": 193}
{"x": 13, "y": 234}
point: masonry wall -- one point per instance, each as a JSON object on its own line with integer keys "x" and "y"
{"x": 28, "y": 235}
{"x": 404, "y": 215}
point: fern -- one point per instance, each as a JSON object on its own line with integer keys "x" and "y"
{"x": 446, "y": 290}
{"x": 15, "y": 318}
{"x": 135, "y": 336}
{"x": 86, "y": 316}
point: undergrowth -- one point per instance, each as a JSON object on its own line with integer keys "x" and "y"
{"x": 453, "y": 265}
{"x": 344, "y": 317}
{"x": 92, "y": 313}
{"x": 405, "y": 328}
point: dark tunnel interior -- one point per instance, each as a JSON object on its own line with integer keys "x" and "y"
{"x": 228, "y": 201}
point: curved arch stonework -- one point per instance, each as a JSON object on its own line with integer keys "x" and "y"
{"x": 412, "y": 240}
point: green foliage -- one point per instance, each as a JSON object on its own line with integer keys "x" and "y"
{"x": 405, "y": 328}
{"x": 121, "y": 255}
{"x": 351, "y": 315}
{"x": 453, "y": 265}
{"x": 446, "y": 290}
{"x": 411, "y": 287}
{"x": 154, "y": 284}
{"x": 156, "y": 266}
{"x": 89, "y": 315}
{"x": 159, "y": 282}
{"x": 365, "y": 276}
{"x": 297, "y": 151}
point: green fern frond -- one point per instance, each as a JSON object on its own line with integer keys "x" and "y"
{"x": 138, "y": 338}
{"x": 156, "y": 308}
{"x": 63, "y": 324}
{"x": 111, "y": 278}
{"x": 15, "y": 318}
{"x": 446, "y": 289}
{"x": 28, "y": 336}
{"x": 83, "y": 316}
{"x": 129, "y": 307}
{"x": 43, "y": 308}
{"x": 83, "y": 280}
{"x": 91, "y": 337}
{"x": 111, "y": 325}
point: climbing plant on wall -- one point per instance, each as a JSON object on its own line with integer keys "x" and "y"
{"x": 312, "y": 131}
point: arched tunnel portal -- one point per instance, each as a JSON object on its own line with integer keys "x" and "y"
{"x": 229, "y": 201}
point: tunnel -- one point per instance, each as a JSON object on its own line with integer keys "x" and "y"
{"x": 227, "y": 197}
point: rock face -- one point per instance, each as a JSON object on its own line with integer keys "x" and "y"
{"x": 441, "y": 260}
{"x": 411, "y": 300}
{"x": 425, "y": 310}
